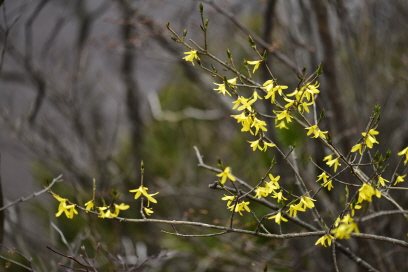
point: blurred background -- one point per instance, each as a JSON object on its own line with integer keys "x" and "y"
{"x": 90, "y": 88}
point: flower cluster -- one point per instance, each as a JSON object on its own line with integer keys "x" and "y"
{"x": 332, "y": 162}
{"x": 344, "y": 226}
{"x": 142, "y": 191}
{"x": 63, "y": 207}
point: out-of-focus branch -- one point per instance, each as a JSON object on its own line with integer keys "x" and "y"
{"x": 22, "y": 199}
{"x": 172, "y": 116}
{"x": 13, "y": 251}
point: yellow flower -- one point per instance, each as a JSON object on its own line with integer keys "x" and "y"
{"x": 307, "y": 202}
{"x": 329, "y": 185}
{"x": 119, "y": 208}
{"x": 279, "y": 196}
{"x": 334, "y": 162}
{"x": 271, "y": 91}
{"x": 143, "y": 191}
{"x": 322, "y": 240}
{"x": 399, "y": 179}
{"x": 366, "y": 192}
{"x": 89, "y": 205}
{"x": 404, "y": 152}
{"x": 344, "y": 227}
{"x": 323, "y": 176}
{"x": 304, "y": 106}
{"x": 255, "y": 145}
{"x": 381, "y": 180}
{"x": 290, "y": 102}
{"x": 148, "y": 211}
{"x": 281, "y": 124}
{"x": 259, "y": 125}
{"x": 69, "y": 210}
{"x": 256, "y": 63}
{"x": 273, "y": 179}
{"x": 370, "y": 140}
{"x": 266, "y": 145}
{"x": 102, "y": 212}
{"x": 316, "y": 131}
{"x": 328, "y": 158}
{"x": 326, "y": 182}
{"x": 229, "y": 198}
{"x": 243, "y": 206}
{"x": 261, "y": 192}
{"x": 246, "y": 104}
{"x": 309, "y": 91}
{"x": 221, "y": 87}
{"x": 359, "y": 148}
{"x": 280, "y": 115}
{"x": 278, "y": 218}
{"x": 191, "y": 56}
{"x": 226, "y": 174}
{"x": 293, "y": 209}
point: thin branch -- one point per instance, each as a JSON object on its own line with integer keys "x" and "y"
{"x": 374, "y": 215}
{"x": 22, "y": 199}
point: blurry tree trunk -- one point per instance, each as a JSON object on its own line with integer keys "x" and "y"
{"x": 132, "y": 92}
{"x": 329, "y": 71}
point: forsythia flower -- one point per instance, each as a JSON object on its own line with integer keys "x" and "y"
{"x": 323, "y": 176}
{"x": 280, "y": 115}
{"x": 381, "y": 180}
{"x": 328, "y": 158}
{"x": 106, "y": 211}
{"x": 404, "y": 152}
{"x": 359, "y": 148}
{"x": 307, "y": 202}
{"x": 102, "y": 212}
{"x": 191, "y": 56}
{"x": 344, "y": 227}
{"x": 316, "y": 131}
{"x": 334, "y": 162}
{"x": 366, "y": 192}
{"x": 143, "y": 191}
{"x": 274, "y": 181}
{"x": 256, "y": 63}
{"x": 278, "y": 218}
{"x": 322, "y": 240}
{"x": 290, "y": 102}
{"x": 243, "y": 206}
{"x": 268, "y": 86}
{"x": 279, "y": 196}
{"x": 226, "y": 174}
{"x": 281, "y": 124}
{"x": 399, "y": 179}
{"x": 271, "y": 91}
{"x": 326, "y": 182}
{"x": 293, "y": 209}
{"x": 268, "y": 144}
{"x": 259, "y": 125}
{"x": 118, "y": 208}
{"x": 370, "y": 139}
{"x": 229, "y": 198}
{"x": 309, "y": 91}
{"x": 148, "y": 211}
{"x": 89, "y": 205}
{"x": 304, "y": 106}
{"x": 69, "y": 210}
{"x": 329, "y": 185}
{"x": 255, "y": 145}
{"x": 261, "y": 192}
{"x": 221, "y": 87}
